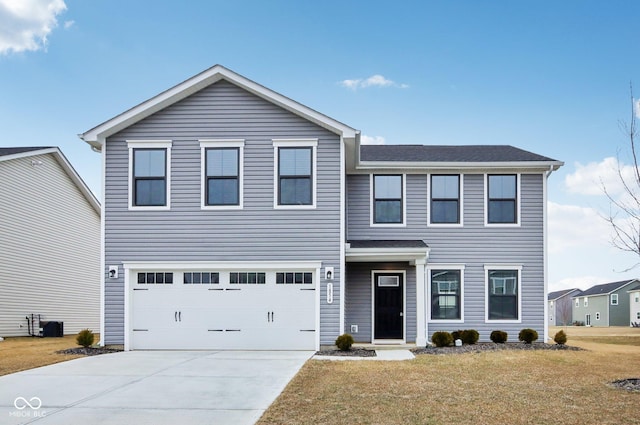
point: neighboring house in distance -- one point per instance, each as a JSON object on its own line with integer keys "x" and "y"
{"x": 49, "y": 242}
{"x": 634, "y": 305}
{"x": 237, "y": 218}
{"x": 560, "y": 307}
{"x": 604, "y": 305}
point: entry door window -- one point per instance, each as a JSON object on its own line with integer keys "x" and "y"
{"x": 388, "y": 306}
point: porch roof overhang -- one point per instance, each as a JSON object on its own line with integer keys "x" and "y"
{"x": 361, "y": 251}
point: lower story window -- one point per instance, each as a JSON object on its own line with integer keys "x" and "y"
{"x": 503, "y": 294}
{"x": 445, "y": 294}
{"x": 597, "y": 316}
{"x": 155, "y": 278}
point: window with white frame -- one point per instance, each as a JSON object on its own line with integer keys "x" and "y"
{"x": 295, "y": 179}
{"x": 586, "y": 302}
{"x": 614, "y": 299}
{"x": 637, "y": 298}
{"x": 503, "y": 293}
{"x": 155, "y": 278}
{"x": 222, "y": 176}
{"x": 149, "y": 174}
{"x": 502, "y": 199}
{"x": 577, "y": 302}
{"x": 445, "y": 199}
{"x": 597, "y": 316}
{"x": 446, "y": 294}
{"x": 387, "y": 199}
{"x": 638, "y": 315}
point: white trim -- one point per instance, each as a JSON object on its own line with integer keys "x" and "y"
{"x": 460, "y": 201}
{"x": 518, "y": 200}
{"x": 411, "y": 255}
{"x": 372, "y": 222}
{"x": 103, "y": 266}
{"x": 404, "y": 307}
{"x": 422, "y": 326}
{"x": 445, "y": 266}
{"x": 221, "y": 143}
{"x": 97, "y": 135}
{"x": 502, "y": 266}
{"x": 150, "y": 144}
{"x": 545, "y": 259}
{"x": 617, "y": 299}
{"x": 295, "y": 143}
{"x": 343, "y": 236}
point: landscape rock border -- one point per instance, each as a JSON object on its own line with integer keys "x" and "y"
{"x": 89, "y": 351}
{"x": 629, "y": 384}
{"x": 492, "y": 346}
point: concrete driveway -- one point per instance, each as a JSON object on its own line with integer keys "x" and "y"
{"x": 150, "y": 387}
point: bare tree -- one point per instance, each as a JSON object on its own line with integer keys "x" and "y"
{"x": 564, "y": 312}
{"x": 624, "y": 215}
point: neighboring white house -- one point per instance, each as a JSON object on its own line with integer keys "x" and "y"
{"x": 49, "y": 242}
{"x": 634, "y": 306}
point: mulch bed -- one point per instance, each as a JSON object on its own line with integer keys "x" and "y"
{"x": 89, "y": 351}
{"x": 629, "y": 384}
{"x": 354, "y": 352}
{"x": 491, "y": 346}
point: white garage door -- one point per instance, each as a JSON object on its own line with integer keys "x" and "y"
{"x": 223, "y": 310}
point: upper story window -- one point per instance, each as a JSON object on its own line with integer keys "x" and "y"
{"x": 586, "y": 302}
{"x": 295, "y": 173}
{"x": 149, "y": 182}
{"x": 388, "y": 197}
{"x": 503, "y": 292}
{"x": 577, "y": 302}
{"x": 222, "y": 169}
{"x": 502, "y": 199}
{"x": 614, "y": 299}
{"x": 445, "y": 199}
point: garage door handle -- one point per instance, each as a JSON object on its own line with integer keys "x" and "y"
{"x": 175, "y": 316}
{"x": 179, "y": 316}
{"x": 269, "y": 316}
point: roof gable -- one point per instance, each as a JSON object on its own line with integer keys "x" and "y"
{"x": 563, "y": 293}
{"x": 7, "y": 154}
{"x": 97, "y": 135}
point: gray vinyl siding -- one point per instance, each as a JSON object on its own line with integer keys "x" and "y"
{"x": 619, "y": 314}
{"x": 596, "y": 304}
{"x": 49, "y": 248}
{"x": 358, "y": 298}
{"x": 258, "y": 232}
{"x": 473, "y": 245}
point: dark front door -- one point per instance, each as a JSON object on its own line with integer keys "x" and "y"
{"x": 388, "y": 306}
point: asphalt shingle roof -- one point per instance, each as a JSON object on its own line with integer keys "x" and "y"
{"x": 605, "y": 288}
{"x": 449, "y": 153}
{"x": 13, "y": 151}
{"x": 558, "y": 294}
{"x": 388, "y": 244}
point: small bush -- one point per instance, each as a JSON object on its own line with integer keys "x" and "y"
{"x": 470, "y": 336}
{"x": 442, "y": 339}
{"x": 578, "y": 323}
{"x": 344, "y": 342}
{"x": 499, "y": 337}
{"x": 85, "y": 338}
{"x": 560, "y": 338}
{"x": 457, "y": 334}
{"x": 528, "y": 335}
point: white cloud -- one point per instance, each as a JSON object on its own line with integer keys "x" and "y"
{"x": 636, "y": 107}
{"x": 589, "y": 179}
{"x": 581, "y": 282}
{"x": 572, "y": 226}
{"x": 376, "y": 80}
{"x": 26, "y": 24}
{"x": 372, "y": 140}
{"x": 68, "y": 24}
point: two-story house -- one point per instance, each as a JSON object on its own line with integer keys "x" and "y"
{"x": 237, "y": 218}
{"x": 560, "y": 307}
{"x": 606, "y": 304}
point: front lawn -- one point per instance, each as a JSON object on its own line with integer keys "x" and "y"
{"x": 504, "y": 387}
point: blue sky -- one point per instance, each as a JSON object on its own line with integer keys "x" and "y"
{"x": 550, "y": 77}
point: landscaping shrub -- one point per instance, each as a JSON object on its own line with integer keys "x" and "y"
{"x": 470, "y": 336}
{"x": 85, "y": 338}
{"x": 442, "y": 339}
{"x": 456, "y": 334}
{"x": 499, "y": 337}
{"x": 527, "y": 335}
{"x": 560, "y": 337}
{"x": 344, "y": 342}
{"x": 578, "y": 323}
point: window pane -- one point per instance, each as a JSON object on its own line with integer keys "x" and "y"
{"x": 168, "y": 278}
{"x": 150, "y": 192}
{"x": 388, "y": 187}
{"x": 502, "y": 187}
{"x": 149, "y": 162}
{"x": 295, "y": 191}
{"x": 159, "y": 277}
{"x": 502, "y": 211}
{"x": 444, "y": 187}
{"x": 444, "y": 212}
{"x": 445, "y": 294}
{"x": 388, "y": 212}
{"x": 206, "y": 277}
{"x": 295, "y": 161}
{"x": 222, "y": 162}
{"x": 503, "y": 294}
{"x": 141, "y": 278}
{"x": 222, "y": 191}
